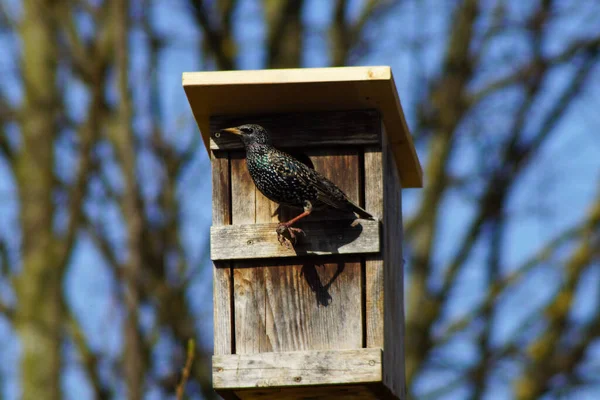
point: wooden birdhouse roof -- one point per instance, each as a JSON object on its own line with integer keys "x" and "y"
{"x": 306, "y": 89}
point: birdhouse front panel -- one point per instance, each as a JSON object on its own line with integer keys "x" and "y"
{"x": 300, "y": 302}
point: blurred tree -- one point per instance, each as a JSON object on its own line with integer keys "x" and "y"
{"x": 87, "y": 148}
{"x": 39, "y": 315}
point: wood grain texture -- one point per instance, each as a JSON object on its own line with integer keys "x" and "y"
{"x": 243, "y": 192}
{"x": 286, "y": 306}
{"x": 249, "y": 310}
{"x": 314, "y": 306}
{"x": 374, "y": 277}
{"x": 341, "y": 166}
{"x": 306, "y": 89}
{"x": 292, "y": 307}
{"x": 248, "y": 290}
{"x": 302, "y": 368}
{"x": 238, "y": 242}
{"x": 289, "y": 130}
{"x": 222, "y": 301}
{"x": 393, "y": 357}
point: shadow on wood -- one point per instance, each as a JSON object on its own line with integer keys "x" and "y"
{"x": 336, "y": 234}
{"x": 253, "y": 241}
{"x": 321, "y": 291}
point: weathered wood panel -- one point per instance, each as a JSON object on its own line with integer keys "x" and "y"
{"x": 222, "y": 290}
{"x": 250, "y": 299}
{"x": 248, "y": 288}
{"x": 374, "y": 283}
{"x": 243, "y": 192}
{"x": 310, "y": 306}
{"x": 316, "y": 129}
{"x": 393, "y": 357}
{"x": 313, "y": 306}
{"x": 302, "y": 368}
{"x": 299, "y": 306}
{"x": 341, "y": 166}
{"x": 237, "y": 242}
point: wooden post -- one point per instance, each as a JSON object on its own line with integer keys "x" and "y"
{"x": 325, "y": 318}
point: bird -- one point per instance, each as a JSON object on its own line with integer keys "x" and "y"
{"x": 288, "y": 181}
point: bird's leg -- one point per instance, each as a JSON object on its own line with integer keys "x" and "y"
{"x": 284, "y": 227}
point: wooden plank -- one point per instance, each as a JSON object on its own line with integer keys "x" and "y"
{"x": 315, "y": 129}
{"x": 238, "y": 242}
{"x": 393, "y": 358}
{"x": 222, "y": 301}
{"x": 223, "y": 333}
{"x": 342, "y": 167}
{"x": 250, "y": 299}
{"x": 302, "y": 368}
{"x": 289, "y": 75}
{"x": 288, "y": 307}
{"x": 285, "y": 306}
{"x": 306, "y": 89}
{"x": 248, "y": 277}
{"x": 266, "y": 210}
{"x": 248, "y": 284}
{"x": 374, "y": 283}
{"x": 243, "y": 196}
{"x": 313, "y": 306}
{"x": 220, "y": 189}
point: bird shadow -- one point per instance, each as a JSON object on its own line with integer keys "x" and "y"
{"x": 321, "y": 291}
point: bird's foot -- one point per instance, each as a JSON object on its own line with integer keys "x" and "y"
{"x": 286, "y": 235}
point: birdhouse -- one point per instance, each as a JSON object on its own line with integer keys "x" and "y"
{"x": 323, "y": 317}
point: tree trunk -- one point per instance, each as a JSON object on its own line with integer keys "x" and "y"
{"x": 122, "y": 138}
{"x": 39, "y": 310}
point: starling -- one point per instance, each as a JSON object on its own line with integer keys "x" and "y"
{"x": 287, "y": 181}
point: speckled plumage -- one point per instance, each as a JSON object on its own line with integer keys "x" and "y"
{"x": 285, "y": 180}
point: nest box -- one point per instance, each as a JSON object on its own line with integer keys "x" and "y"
{"x": 326, "y": 317}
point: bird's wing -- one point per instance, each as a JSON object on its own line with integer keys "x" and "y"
{"x": 327, "y": 191}
{"x": 330, "y": 194}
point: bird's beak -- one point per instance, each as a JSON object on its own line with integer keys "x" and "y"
{"x": 235, "y": 131}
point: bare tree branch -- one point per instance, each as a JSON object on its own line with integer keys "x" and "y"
{"x": 446, "y": 99}
{"x": 526, "y": 72}
{"x": 123, "y": 140}
{"x": 544, "y": 349}
{"x": 284, "y": 40}
{"x": 89, "y": 359}
{"x": 499, "y": 287}
{"x": 218, "y": 38}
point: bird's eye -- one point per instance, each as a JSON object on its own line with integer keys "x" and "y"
{"x": 246, "y": 130}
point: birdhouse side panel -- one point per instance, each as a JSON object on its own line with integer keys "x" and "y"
{"x": 393, "y": 355}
